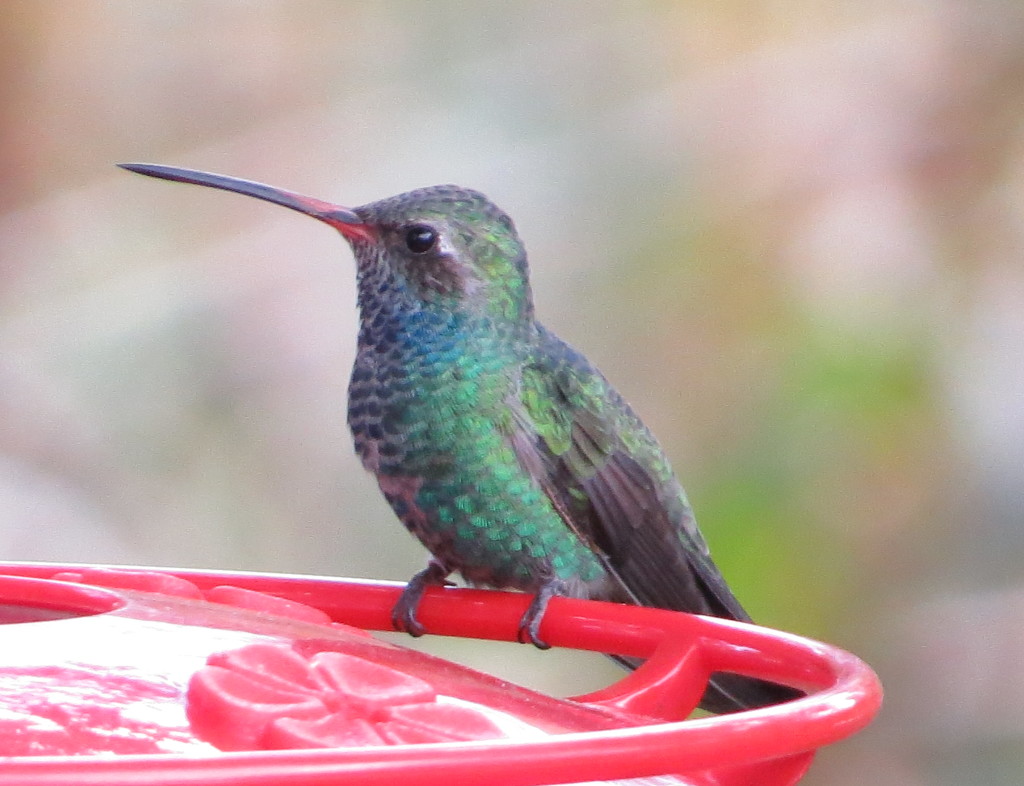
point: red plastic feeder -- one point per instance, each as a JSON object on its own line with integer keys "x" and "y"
{"x": 114, "y": 676}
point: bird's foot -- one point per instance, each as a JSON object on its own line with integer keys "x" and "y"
{"x": 403, "y": 615}
{"x": 529, "y": 625}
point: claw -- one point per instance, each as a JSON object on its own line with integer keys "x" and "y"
{"x": 403, "y": 615}
{"x": 529, "y": 630}
{"x": 529, "y": 624}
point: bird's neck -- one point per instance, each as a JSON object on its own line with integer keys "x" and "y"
{"x": 394, "y": 318}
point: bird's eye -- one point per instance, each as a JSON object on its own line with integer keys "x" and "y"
{"x": 419, "y": 238}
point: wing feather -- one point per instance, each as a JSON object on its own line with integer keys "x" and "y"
{"x": 610, "y": 483}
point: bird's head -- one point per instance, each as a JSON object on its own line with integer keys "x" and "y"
{"x": 444, "y": 247}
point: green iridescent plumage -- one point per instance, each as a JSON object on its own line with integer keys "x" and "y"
{"x": 501, "y": 448}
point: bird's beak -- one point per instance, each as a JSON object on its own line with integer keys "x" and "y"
{"x": 341, "y": 218}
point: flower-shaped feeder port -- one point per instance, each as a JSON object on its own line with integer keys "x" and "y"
{"x": 180, "y": 678}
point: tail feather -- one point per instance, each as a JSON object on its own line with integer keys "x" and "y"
{"x": 727, "y": 692}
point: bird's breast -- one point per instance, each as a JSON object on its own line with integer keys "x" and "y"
{"x": 416, "y": 398}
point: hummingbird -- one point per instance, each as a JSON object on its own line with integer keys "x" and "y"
{"x": 500, "y": 447}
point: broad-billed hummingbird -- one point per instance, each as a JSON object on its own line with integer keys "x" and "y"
{"x": 501, "y": 448}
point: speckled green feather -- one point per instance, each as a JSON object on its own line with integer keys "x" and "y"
{"x": 501, "y": 448}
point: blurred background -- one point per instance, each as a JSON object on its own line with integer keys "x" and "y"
{"x": 791, "y": 235}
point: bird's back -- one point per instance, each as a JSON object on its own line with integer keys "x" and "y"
{"x": 620, "y": 491}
